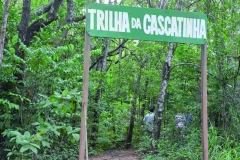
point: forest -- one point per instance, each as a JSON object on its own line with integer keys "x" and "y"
{"x": 42, "y": 73}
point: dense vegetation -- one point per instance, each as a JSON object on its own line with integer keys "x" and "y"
{"x": 41, "y": 79}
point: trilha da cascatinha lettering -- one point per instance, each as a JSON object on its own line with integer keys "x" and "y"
{"x": 115, "y": 21}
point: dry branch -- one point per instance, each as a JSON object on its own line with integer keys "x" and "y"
{"x": 109, "y": 54}
{"x": 44, "y": 9}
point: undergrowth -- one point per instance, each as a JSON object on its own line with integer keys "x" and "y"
{"x": 187, "y": 145}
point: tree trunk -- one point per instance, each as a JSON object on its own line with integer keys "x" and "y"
{"x": 144, "y": 99}
{"x": 163, "y": 87}
{"x": 70, "y": 12}
{"x": 102, "y": 66}
{"x": 3, "y": 29}
{"x": 131, "y": 125}
{"x": 23, "y": 26}
{"x": 26, "y": 33}
{"x": 119, "y": 70}
{"x": 68, "y": 20}
{"x": 133, "y": 112}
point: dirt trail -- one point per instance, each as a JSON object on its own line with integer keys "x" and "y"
{"x": 117, "y": 155}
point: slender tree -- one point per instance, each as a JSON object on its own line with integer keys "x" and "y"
{"x": 133, "y": 111}
{"x": 101, "y": 67}
{"x": 3, "y": 29}
{"x": 163, "y": 87}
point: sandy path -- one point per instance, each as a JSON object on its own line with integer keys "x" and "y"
{"x": 117, "y": 155}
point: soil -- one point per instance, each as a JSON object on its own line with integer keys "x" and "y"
{"x": 117, "y": 155}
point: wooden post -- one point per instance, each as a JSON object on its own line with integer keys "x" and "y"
{"x": 83, "y": 133}
{"x": 204, "y": 102}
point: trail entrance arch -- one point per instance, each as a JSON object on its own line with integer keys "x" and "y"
{"x": 112, "y": 21}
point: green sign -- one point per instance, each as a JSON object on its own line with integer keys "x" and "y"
{"x": 146, "y": 24}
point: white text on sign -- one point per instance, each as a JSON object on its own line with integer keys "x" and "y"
{"x": 115, "y": 21}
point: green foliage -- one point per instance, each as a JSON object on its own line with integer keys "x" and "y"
{"x": 26, "y": 141}
{"x": 47, "y": 129}
{"x": 40, "y": 114}
{"x": 8, "y": 104}
{"x": 222, "y": 146}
